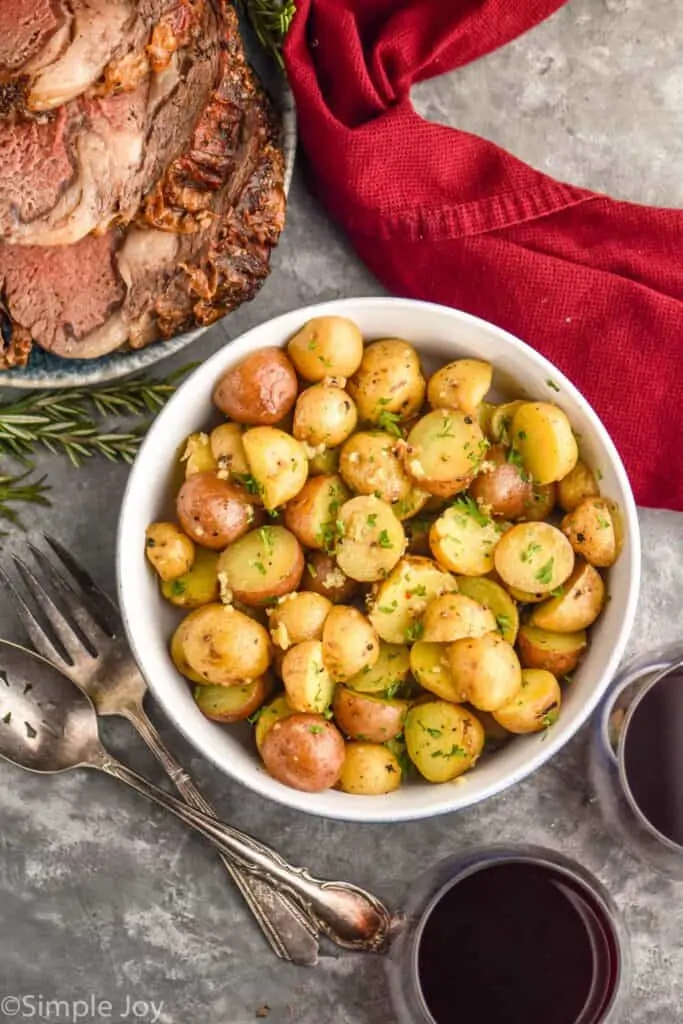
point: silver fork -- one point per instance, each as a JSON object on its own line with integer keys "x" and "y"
{"x": 87, "y": 643}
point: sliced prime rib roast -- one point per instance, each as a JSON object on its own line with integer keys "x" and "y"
{"x": 200, "y": 246}
{"x": 91, "y": 161}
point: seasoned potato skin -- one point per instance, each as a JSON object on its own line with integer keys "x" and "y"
{"x": 558, "y": 653}
{"x": 308, "y": 684}
{"x": 304, "y": 751}
{"x": 461, "y": 384}
{"x": 312, "y": 515}
{"x": 486, "y": 669}
{"x": 454, "y": 616}
{"x": 168, "y": 550}
{"x": 178, "y": 655}
{"x": 198, "y": 456}
{"x": 349, "y": 643}
{"x": 369, "y": 769}
{"x": 215, "y": 512}
{"x": 260, "y": 390}
{"x": 579, "y": 605}
{"x": 224, "y": 646}
{"x": 232, "y": 703}
{"x": 464, "y": 541}
{"x": 227, "y": 449}
{"x": 501, "y": 488}
{"x": 593, "y": 532}
{"x": 576, "y": 486}
{"x": 326, "y": 346}
{"x": 493, "y": 596}
{"x": 323, "y": 576}
{"x": 361, "y": 716}
{"x": 535, "y": 707}
{"x": 278, "y": 463}
{"x": 444, "y": 451}
{"x": 541, "y": 503}
{"x": 372, "y": 539}
{"x": 388, "y": 380}
{"x": 324, "y": 414}
{"x": 297, "y": 617}
{"x": 369, "y": 464}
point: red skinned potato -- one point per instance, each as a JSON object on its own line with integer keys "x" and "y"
{"x": 215, "y": 512}
{"x": 304, "y": 751}
{"x": 361, "y": 716}
{"x": 323, "y": 576}
{"x": 260, "y": 390}
{"x": 502, "y": 488}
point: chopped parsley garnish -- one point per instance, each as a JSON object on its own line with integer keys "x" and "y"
{"x": 315, "y": 729}
{"x": 266, "y": 535}
{"x": 250, "y": 485}
{"x": 419, "y": 591}
{"x": 312, "y": 345}
{"x": 329, "y": 533}
{"x": 389, "y": 421}
{"x": 598, "y": 474}
{"x": 521, "y": 434}
{"x": 468, "y": 506}
{"x": 504, "y": 623}
{"x": 545, "y": 573}
{"x": 327, "y": 363}
{"x": 150, "y": 542}
{"x": 253, "y": 719}
{"x": 455, "y": 751}
{"x": 258, "y": 564}
{"x": 384, "y": 540}
{"x": 414, "y": 632}
{"x": 372, "y": 519}
{"x": 393, "y": 689}
{"x": 515, "y": 459}
{"x": 550, "y": 716}
{"x": 177, "y": 588}
{"x": 529, "y": 552}
{"x": 553, "y": 385}
{"x": 312, "y": 569}
{"x": 604, "y": 524}
{"x": 446, "y": 426}
{"x": 387, "y": 609}
{"x": 557, "y": 592}
{"x": 434, "y": 733}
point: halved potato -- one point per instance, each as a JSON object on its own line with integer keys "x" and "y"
{"x": 500, "y": 421}
{"x": 270, "y": 714}
{"x": 323, "y": 576}
{"x": 454, "y": 616}
{"x": 463, "y": 538}
{"x": 534, "y": 557}
{"x": 228, "y": 450}
{"x": 543, "y": 436}
{"x": 232, "y": 703}
{"x": 461, "y": 384}
{"x": 388, "y": 673}
{"x": 278, "y": 464}
{"x": 577, "y": 607}
{"x": 443, "y": 452}
{"x": 224, "y": 646}
{"x": 535, "y": 707}
{"x": 197, "y": 456}
{"x": 578, "y": 484}
{"x": 558, "y": 653}
{"x": 313, "y": 515}
{"x": 168, "y": 550}
{"x": 349, "y": 643}
{"x": 430, "y": 665}
{"x": 400, "y": 601}
{"x": 593, "y": 531}
{"x": 492, "y": 596}
{"x": 372, "y": 539}
{"x": 486, "y": 670}
{"x": 369, "y": 769}
{"x": 324, "y": 414}
{"x": 361, "y": 716}
{"x": 388, "y": 385}
{"x": 308, "y": 684}
{"x": 198, "y": 586}
{"x": 298, "y": 617}
{"x": 262, "y": 565}
{"x": 326, "y": 346}
{"x": 443, "y": 740}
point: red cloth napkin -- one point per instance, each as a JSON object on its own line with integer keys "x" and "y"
{"x": 436, "y": 213}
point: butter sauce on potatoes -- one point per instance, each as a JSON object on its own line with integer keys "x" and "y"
{"x": 386, "y": 571}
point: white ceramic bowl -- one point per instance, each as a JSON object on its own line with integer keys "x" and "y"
{"x": 440, "y": 335}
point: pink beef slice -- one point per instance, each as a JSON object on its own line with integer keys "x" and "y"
{"x": 26, "y": 29}
{"x": 90, "y": 162}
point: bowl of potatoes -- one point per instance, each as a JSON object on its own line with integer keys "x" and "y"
{"x": 378, "y": 559}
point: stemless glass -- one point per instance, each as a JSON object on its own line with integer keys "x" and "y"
{"x": 636, "y": 758}
{"x": 603, "y": 935}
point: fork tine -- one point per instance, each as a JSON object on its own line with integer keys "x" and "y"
{"x": 101, "y": 605}
{"x": 36, "y": 633}
{"x": 81, "y": 618}
{"x": 70, "y": 640}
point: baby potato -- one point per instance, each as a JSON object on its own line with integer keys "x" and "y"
{"x": 401, "y": 600}
{"x": 264, "y": 564}
{"x": 197, "y": 456}
{"x": 313, "y": 514}
{"x": 214, "y": 512}
{"x": 500, "y": 422}
{"x": 326, "y": 346}
{"x": 576, "y": 486}
{"x": 535, "y": 707}
{"x": 492, "y": 596}
{"x": 270, "y": 714}
{"x": 232, "y": 703}
{"x": 361, "y": 716}
{"x": 369, "y": 769}
{"x": 501, "y": 488}
{"x": 349, "y": 643}
{"x": 388, "y": 674}
{"x": 592, "y": 530}
{"x": 443, "y": 740}
{"x": 541, "y": 503}
{"x": 577, "y": 607}
{"x": 371, "y": 539}
{"x": 388, "y": 381}
{"x": 197, "y": 586}
{"x": 526, "y": 596}
{"x": 278, "y": 464}
{"x": 543, "y": 436}
{"x": 298, "y": 617}
{"x": 369, "y": 463}
{"x": 460, "y": 385}
{"x": 324, "y": 414}
{"x": 323, "y": 576}
{"x": 534, "y": 557}
{"x": 168, "y": 550}
{"x": 225, "y": 646}
{"x": 304, "y": 751}
{"x": 454, "y": 616}
{"x": 464, "y": 539}
{"x": 178, "y": 655}
{"x": 558, "y": 653}
{"x": 228, "y": 451}
{"x": 324, "y": 462}
{"x": 443, "y": 451}
{"x": 486, "y": 670}
{"x": 308, "y": 684}
{"x": 260, "y": 390}
{"x": 430, "y": 665}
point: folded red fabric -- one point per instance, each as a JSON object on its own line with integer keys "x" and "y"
{"x": 436, "y": 213}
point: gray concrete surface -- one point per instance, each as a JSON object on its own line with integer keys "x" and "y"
{"x": 104, "y": 898}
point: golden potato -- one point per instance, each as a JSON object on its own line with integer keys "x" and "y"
{"x": 492, "y": 596}
{"x": 542, "y": 434}
{"x": 197, "y": 586}
{"x": 313, "y": 515}
{"x": 260, "y": 390}
{"x": 388, "y": 385}
{"x": 541, "y": 503}
{"x": 323, "y": 576}
{"x": 500, "y": 422}
{"x": 178, "y": 655}
{"x": 349, "y": 643}
{"x": 443, "y": 451}
{"x": 593, "y": 532}
{"x": 460, "y": 385}
{"x": 578, "y": 484}
{"x": 308, "y": 684}
{"x": 502, "y": 488}
{"x": 270, "y": 714}
{"x": 225, "y": 646}
{"x": 197, "y": 456}
{"x": 387, "y": 675}
{"x": 369, "y": 463}
{"x": 401, "y": 600}
{"x": 232, "y": 703}
{"x": 577, "y": 607}
{"x": 298, "y": 617}
{"x": 486, "y": 670}
{"x": 264, "y": 564}
{"x": 326, "y": 346}
{"x": 369, "y": 769}
{"x": 168, "y": 550}
{"x": 278, "y": 464}
{"x": 534, "y": 557}
{"x": 454, "y": 616}
{"x": 464, "y": 539}
{"x": 371, "y": 539}
{"x": 215, "y": 512}
{"x": 558, "y": 653}
{"x": 430, "y": 665}
{"x": 324, "y": 415}
{"x": 361, "y": 716}
{"x": 304, "y": 751}
{"x": 535, "y": 707}
{"x": 443, "y": 740}
{"x": 325, "y": 462}
{"x": 228, "y": 451}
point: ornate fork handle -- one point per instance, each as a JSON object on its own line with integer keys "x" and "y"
{"x": 288, "y": 927}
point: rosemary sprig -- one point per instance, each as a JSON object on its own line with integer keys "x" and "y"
{"x": 270, "y": 20}
{"x": 13, "y": 490}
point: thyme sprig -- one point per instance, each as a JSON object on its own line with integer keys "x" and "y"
{"x": 270, "y": 20}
